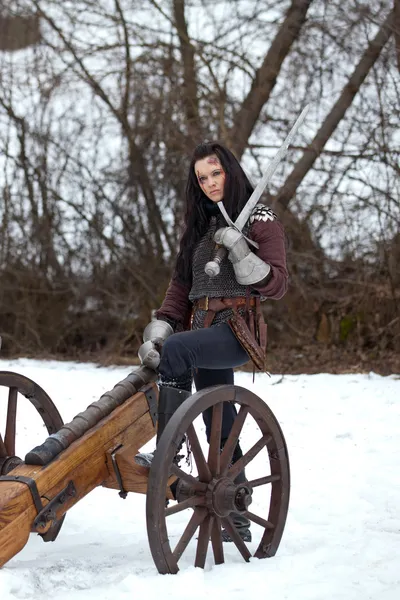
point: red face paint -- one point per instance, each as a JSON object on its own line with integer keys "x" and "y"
{"x": 213, "y": 161}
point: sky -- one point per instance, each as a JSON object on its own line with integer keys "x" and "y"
{"x": 342, "y": 534}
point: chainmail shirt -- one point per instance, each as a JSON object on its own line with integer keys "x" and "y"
{"x": 224, "y": 285}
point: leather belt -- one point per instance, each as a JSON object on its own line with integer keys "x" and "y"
{"x": 217, "y": 304}
{"x": 250, "y": 330}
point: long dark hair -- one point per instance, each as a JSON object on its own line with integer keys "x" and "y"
{"x": 237, "y": 191}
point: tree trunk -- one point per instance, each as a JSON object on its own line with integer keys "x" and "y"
{"x": 190, "y": 88}
{"x": 265, "y": 78}
{"x": 396, "y": 22}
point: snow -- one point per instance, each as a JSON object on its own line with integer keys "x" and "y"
{"x": 342, "y": 535}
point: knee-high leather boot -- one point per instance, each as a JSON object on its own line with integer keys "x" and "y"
{"x": 169, "y": 399}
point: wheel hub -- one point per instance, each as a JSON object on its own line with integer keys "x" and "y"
{"x": 243, "y": 498}
{"x": 8, "y": 463}
{"x": 223, "y": 496}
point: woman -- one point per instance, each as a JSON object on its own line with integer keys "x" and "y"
{"x": 208, "y": 315}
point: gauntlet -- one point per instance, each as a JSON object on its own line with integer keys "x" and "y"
{"x": 249, "y": 268}
{"x": 155, "y": 333}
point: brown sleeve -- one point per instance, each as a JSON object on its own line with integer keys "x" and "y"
{"x": 270, "y": 236}
{"x": 176, "y": 306}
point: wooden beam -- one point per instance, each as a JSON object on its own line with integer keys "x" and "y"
{"x": 84, "y": 463}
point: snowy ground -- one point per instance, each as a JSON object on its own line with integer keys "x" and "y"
{"x": 342, "y": 538}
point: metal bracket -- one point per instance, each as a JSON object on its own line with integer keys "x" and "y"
{"x": 49, "y": 512}
{"x": 152, "y": 402}
{"x": 54, "y": 529}
{"x": 122, "y": 493}
{"x": 31, "y": 483}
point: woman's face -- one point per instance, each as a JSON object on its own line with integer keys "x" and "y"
{"x": 211, "y": 177}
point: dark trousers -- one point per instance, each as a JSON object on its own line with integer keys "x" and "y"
{"x": 209, "y": 356}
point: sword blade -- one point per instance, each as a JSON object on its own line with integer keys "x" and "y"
{"x": 212, "y": 268}
{"x": 255, "y": 196}
{"x": 232, "y": 224}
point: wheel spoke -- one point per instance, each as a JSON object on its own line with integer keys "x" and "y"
{"x": 259, "y": 520}
{"x": 188, "y": 503}
{"x": 197, "y": 485}
{"x": 9, "y": 438}
{"x": 216, "y": 541}
{"x": 202, "y": 542}
{"x": 3, "y": 451}
{"x": 252, "y": 453}
{"x": 231, "y": 442}
{"x": 214, "y": 452}
{"x": 196, "y": 519}
{"x": 237, "y": 540}
{"x": 202, "y": 467}
{"x": 263, "y": 480}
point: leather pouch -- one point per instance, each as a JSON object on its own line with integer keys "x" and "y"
{"x": 241, "y": 330}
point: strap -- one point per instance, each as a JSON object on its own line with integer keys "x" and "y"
{"x": 31, "y": 483}
{"x": 209, "y": 318}
{"x": 251, "y": 322}
{"x": 215, "y": 305}
{"x": 248, "y": 296}
{"x": 261, "y": 326}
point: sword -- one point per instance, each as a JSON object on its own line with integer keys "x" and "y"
{"x": 212, "y": 268}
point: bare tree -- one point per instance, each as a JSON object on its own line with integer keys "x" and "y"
{"x": 337, "y": 112}
{"x": 98, "y": 121}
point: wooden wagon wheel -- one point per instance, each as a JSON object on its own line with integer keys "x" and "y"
{"x": 212, "y": 494}
{"x": 18, "y": 384}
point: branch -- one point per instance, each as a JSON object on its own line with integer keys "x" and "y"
{"x": 125, "y": 99}
{"x": 341, "y": 153}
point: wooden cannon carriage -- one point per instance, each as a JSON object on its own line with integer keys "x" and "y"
{"x": 97, "y": 448}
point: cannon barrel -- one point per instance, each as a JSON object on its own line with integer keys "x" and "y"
{"x": 82, "y": 422}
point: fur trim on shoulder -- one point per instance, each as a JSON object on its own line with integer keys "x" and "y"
{"x": 262, "y": 213}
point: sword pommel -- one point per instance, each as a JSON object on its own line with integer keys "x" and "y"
{"x": 212, "y": 268}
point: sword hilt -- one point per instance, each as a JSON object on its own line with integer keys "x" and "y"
{"x": 212, "y": 268}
